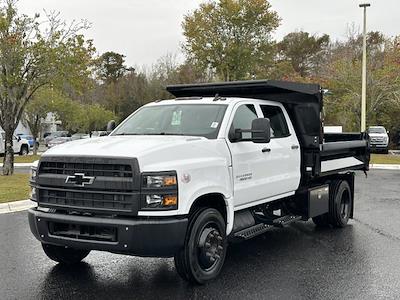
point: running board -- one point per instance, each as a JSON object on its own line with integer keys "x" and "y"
{"x": 285, "y": 220}
{"x": 252, "y": 231}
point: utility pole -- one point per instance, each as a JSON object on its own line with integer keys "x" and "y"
{"x": 364, "y": 71}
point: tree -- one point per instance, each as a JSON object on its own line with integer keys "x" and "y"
{"x": 230, "y": 37}
{"x": 31, "y": 57}
{"x": 95, "y": 117}
{"x": 111, "y": 66}
{"x": 302, "y": 50}
{"x": 36, "y": 111}
{"x": 342, "y": 76}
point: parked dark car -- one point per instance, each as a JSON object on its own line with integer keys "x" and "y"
{"x": 79, "y": 136}
{"x": 55, "y": 134}
{"x": 59, "y": 141}
{"x": 99, "y": 133}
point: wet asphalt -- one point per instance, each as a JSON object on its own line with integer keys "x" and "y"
{"x": 361, "y": 261}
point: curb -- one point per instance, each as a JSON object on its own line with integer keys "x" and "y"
{"x": 20, "y": 165}
{"x": 384, "y": 167}
{"x": 14, "y": 206}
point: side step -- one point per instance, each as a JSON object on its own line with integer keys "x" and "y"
{"x": 285, "y": 220}
{"x": 252, "y": 231}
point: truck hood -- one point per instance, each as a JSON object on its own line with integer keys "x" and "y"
{"x": 120, "y": 146}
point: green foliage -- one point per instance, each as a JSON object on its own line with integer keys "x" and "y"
{"x": 342, "y": 77}
{"x": 32, "y": 57}
{"x": 231, "y": 37}
{"x": 77, "y": 117}
{"x": 95, "y": 117}
{"x": 111, "y": 66}
{"x": 302, "y": 50}
{"x": 37, "y": 110}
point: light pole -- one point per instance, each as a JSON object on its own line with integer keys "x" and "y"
{"x": 364, "y": 71}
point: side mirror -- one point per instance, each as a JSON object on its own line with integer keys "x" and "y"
{"x": 111, "y": 125}
{"x": 261, "y": 130}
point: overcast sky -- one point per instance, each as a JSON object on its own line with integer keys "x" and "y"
{"x": 145, "y": 30}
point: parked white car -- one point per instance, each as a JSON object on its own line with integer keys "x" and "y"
{"x": 20, "y": 145}
{"x": 379, "y": 138}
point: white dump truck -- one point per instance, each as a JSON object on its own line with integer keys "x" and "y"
{"x": 183, "y": 178}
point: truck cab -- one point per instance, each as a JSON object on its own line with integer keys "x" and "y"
{"x": 379, "y": 138}
{"x": 186, "y": 176}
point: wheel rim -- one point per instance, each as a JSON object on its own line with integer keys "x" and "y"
{"x": 345, "y": 205}
{"x": 210, "y": 247}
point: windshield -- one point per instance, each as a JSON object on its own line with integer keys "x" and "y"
{"x": 377, "y": 130}
{"x": 177, "y": 119}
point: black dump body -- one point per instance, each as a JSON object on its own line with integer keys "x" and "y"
{"x": 322, "y": 154}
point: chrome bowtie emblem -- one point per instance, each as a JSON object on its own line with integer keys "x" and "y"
{"x": 79, "y": 179}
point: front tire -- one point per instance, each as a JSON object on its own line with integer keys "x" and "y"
{"x": 204, "y": 251}
{"x": 24, "y": 151}
{"x": 66, "y": 256}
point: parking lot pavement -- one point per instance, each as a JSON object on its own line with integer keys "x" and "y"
{"x": 360, "y": 261}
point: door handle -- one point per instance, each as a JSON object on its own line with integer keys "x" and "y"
{"x": 263, "y": 150}
{"x": 294, "y": 147}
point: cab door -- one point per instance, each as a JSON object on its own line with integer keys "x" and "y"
{"x": 284, "y": 158}
{"x": 262, "y": 172}
{"x": 16, "y": 144}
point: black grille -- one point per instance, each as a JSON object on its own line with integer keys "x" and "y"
{"x": 114, "y": 188}
{"x": 118, "y": 202}
{"x": 89, "y": 169}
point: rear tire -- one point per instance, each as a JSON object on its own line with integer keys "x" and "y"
{"x": 340, "y": 205}
{"x": 203, "y": 255}
{"x": 66, "y": 256}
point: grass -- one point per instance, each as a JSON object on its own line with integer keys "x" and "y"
{"x": 385, "y": 159}
{"x": 14, "y": 187}
{"x": 26, "y": 159}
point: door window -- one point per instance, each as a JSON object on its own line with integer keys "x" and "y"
{"x": 279, "y": 127}
{"x": 244, "y": 115}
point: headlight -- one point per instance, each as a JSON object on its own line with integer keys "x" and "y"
{"x": 159, "y": 191}
{"x": 159, "y": 181}
{"x": 32, "y": 195}
{"x": 33, "y": 173}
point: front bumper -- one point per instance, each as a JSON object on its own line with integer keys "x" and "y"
{"x": 379, "y": 145}
{"x": 156, "y": 237}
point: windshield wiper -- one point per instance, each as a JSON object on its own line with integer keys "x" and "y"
{"x": 165, "y": 133}
{"x": 158, "y": 133}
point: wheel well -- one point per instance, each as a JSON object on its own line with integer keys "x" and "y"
{"x": 213, "y": 200}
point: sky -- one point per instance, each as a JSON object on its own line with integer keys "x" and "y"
{"x": 145, "y": 30}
